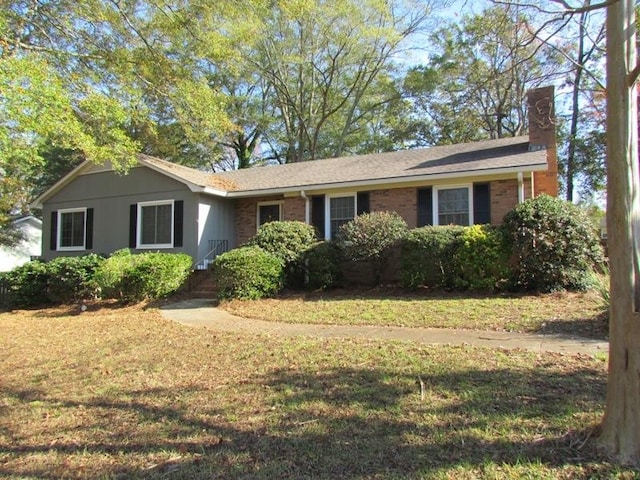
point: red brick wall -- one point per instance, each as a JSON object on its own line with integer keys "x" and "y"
{"x": 247, "y": 209}
{"x": 504, "y": 196}
{"x": 400, "y": 200}
{"x": 294, "y": 209}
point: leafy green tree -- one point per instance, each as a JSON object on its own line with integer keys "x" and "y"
{"x": 109, "y": 79}
{"x": 322, "y": 60}
{"x": 475, "y": 86}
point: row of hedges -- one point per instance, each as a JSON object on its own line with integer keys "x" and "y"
{"x": 452, "y": 257}
{"x": 122, "y": 276}
{"x": 545, "y": 244}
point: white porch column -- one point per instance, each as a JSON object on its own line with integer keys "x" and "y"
{"x": 521, "y": 187}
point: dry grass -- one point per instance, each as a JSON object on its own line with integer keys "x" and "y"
{"x": 123, "y": 393}
{"x": 574, "y": 313}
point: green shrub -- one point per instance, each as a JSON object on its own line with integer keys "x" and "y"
{"x": 109, "y": 275}
{"x": 322, "y": 265}
{"x": 248, "y": 272}
{"x": 62, "y": 280}
{"x": 482, "y": 256}
{"x": 71, "y": 279}
{"x": 369, "y": 237}
{"x": 288, "y": 241}
{"x": 553, "y": 244}
{"x": 429, "y": 257}
{"x": 28, "y": 284}
{"x": 145, "y": 276}
{"x": 155, "y": 276}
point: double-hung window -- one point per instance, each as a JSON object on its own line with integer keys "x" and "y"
{"x": 341, "y": 210}
{"x": 453, "y": 206}
{"x": 71, "y": 233}
{"x": 155, "y": 224}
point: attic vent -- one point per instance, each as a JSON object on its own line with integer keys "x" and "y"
{"x": 536, "y": 148}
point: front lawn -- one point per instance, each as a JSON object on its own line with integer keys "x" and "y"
{"x": 124, "y": 393}
{"x": 569, "y": 313}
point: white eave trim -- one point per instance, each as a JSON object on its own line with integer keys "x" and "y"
{"x": 217, "y": 192}
{"x": 388, "y": 180}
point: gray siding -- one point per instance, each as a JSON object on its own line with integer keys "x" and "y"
{"x": 110, "y": 195}
{"x": 216, "y": 222}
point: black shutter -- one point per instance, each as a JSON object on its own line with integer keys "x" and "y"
{"x": 363, "y": 203}
{"x": 317, "y": 214}
{"x": 425, "y": 206}
{"x": 178, "y": 222}
{"x": 53, "y": 235}
{"x": 481, "y": 203}
{"x": 133, "y": 225}
{"x": 88, "y": 241}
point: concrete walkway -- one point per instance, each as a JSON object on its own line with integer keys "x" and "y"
{"x": 203, "y": 313}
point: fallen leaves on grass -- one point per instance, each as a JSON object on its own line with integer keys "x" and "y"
{"x": 123, "y": 393}
{"x": 568, "y": 313}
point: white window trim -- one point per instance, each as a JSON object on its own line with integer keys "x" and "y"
{"x": 139, "y": 244}
{"x": 468, "y": 186}
{"x": 327, "y": 210}
{"x": 76, "y": 248}
{"x": 280, "y": 203}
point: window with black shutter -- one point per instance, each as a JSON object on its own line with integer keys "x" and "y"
{"x": 425, "y": 206}
{"x": 481, "y": 203}
{"x": 317, "y": 214}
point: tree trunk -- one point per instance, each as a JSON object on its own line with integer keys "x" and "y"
{"x": 620, "y": 435}
{"x": 575, "y": 110}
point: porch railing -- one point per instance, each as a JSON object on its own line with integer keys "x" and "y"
{"x": 215, "y": 248}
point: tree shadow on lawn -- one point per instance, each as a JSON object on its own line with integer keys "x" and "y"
{"x": 594, "y": 327}
{"x": 346, "y": 423}
{"x": 390, "y": 292}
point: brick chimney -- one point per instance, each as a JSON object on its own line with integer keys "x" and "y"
{"x": 542, "y": 134}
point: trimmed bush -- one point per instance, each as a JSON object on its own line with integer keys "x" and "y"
{"x": 249, "y": 273}
{"x": 322, "y": 265}
{"x": 62, "y": 280}
{"x": 288, "y": 241}
{"x": 109, "y": 275}
{"x": 553, "y": 244}
{"x": 145, "y": 276}
{"x": 71, "y": 279}
{"x": 370, "y": 236}
{"x": 429, "y": 257}
{"x": 156, "y": 276}
{"x": 28, "y": 284}
{"x": 482, "y": 256}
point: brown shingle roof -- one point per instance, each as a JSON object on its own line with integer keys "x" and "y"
{"x": 191, "y": 175}
{"x": 466, "y": 159}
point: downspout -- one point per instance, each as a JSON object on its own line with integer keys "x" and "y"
{"x": 307, "y": 207}
{"x": 533, "y": 187}
{"x": 521, "y": 187}
{"x": 307, "y": 220}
